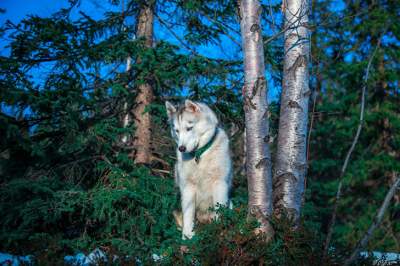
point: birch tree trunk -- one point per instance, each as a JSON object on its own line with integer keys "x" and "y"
{"x": 291, "y": 163}
{"x": 126, "y": 117}
{"x": 258, "y": 156}
{"x": 142, "y": 138}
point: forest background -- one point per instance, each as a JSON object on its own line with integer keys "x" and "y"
{"x": 69, "y": 182}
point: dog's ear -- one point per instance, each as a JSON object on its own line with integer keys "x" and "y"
{"x": 192, "y": 106}
{"x": 170, "y": 109}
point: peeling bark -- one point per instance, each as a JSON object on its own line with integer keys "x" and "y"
{"x": 291, "y": 160}
{"x": 258, "y": 157}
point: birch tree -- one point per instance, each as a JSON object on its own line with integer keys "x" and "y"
{"x": 258, "y": 156}
{"x": 291, "y": 163}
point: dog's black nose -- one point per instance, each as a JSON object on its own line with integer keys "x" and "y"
{"x": 182, "y": 148}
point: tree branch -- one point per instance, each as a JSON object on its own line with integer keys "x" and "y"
{"x": 187, "y": 47}
{"x": 350, "y": 151}
{"x": 375, "y": 223}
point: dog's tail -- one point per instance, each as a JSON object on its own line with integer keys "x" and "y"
{"x": 178, "y": 216}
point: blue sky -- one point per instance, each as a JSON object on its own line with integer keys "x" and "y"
{"x": 16, "y": 10}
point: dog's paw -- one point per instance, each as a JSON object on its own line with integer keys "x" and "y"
{"x": 178, "y": 219}
{"x": 184, "y": 249}
{"x": 187, "y": 235}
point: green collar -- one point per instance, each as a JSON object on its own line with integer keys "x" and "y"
{"x": 197, "y": 153}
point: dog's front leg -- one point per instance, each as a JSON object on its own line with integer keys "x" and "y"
{"x": 188, "y": 210}
{"x": 220, "y": 195}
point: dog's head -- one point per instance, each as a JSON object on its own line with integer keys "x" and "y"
{"x": 192, "y": 124}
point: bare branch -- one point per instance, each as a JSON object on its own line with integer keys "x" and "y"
{"x": 313, "y": 115}
{"x": 348, "y": 155}
{"x": 375, "y": 223}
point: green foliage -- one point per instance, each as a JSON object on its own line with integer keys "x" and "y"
{"x": 340, "y": 65}
{"x": 230, "y": 240}
{"x": 123, "y": 210}
{"x": 68, "y": 184}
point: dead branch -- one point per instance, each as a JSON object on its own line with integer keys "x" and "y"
{"x": 313, "y": 115}
{"x": 350, "y": 151}
{"x": 158, "y": 159}
{"x": 161, "y": 171}
{"x": 375, "y": 223}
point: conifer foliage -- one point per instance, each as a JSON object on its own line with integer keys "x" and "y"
{"x": 69, "y": 182}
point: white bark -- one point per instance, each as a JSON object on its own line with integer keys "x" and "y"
{"x": 258, "y": 157}
{"x": 291, "y": 162}
{"x": 126, "y": 117}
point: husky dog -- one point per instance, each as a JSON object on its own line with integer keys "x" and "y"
{"x": 203, "y": 170}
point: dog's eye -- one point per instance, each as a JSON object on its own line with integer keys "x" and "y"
{"x": 189, "y": 128}
{"x": 177, "y": 131}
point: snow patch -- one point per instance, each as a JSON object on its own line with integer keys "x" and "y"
{"x": 81, "y": 259}
{"x": 157, "y": 258}
{"x": 14, "y": 260}
{"x": 389, "y": 258}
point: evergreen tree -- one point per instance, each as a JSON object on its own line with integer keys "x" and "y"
{"x": 340, "y": 65}
{"x": 142, "y": 138}
{"x": 69, "y": 184}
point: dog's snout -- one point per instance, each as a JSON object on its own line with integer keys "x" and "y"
{"x": 182, "y": 148}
